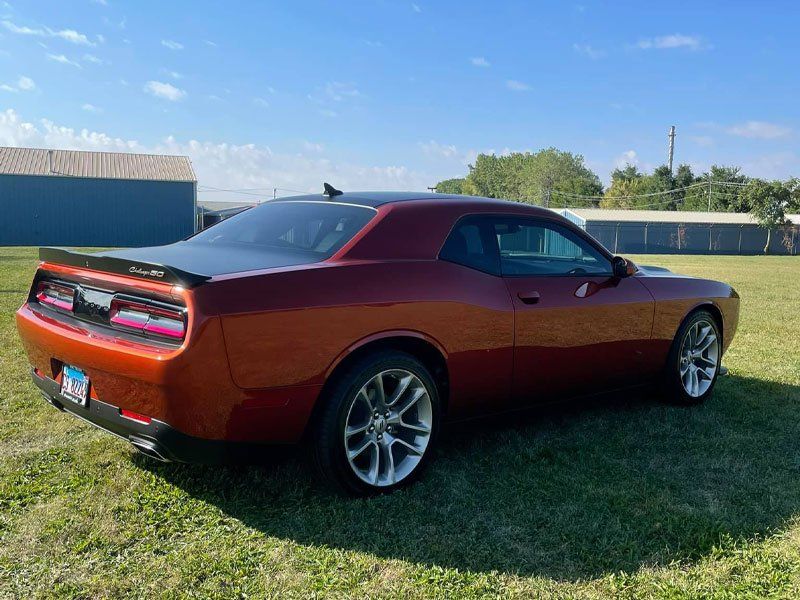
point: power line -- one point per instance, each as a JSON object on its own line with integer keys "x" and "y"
{"x": 247, "y": 191}
{"x": 631, "y": 197}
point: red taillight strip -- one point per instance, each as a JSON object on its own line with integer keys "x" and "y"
{"x": 134, "y": 416}
{"x": 148, "y": 318}
{"x": 56, "y": 295}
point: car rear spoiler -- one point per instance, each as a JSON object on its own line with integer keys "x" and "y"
{"x": 122, "y": 266}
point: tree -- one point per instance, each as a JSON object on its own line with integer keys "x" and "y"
{"x": 630, "y": 188}
{"x": 451, "y": 186}
{"x": 722, "y": 191}
{"x": 549, "y": 175}
{"x": 629, "y": 173}
{"x": 768, "y": 201}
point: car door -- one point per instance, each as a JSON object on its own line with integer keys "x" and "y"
{"x": 578, "y": 329}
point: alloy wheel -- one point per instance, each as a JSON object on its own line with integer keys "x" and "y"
{"x": 388, "y": 427}
{"x": 699, "y": 357}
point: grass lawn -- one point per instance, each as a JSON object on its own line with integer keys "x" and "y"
{"x": 619, "y": 497}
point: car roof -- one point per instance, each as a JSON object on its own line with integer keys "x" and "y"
{"x": 375, "y": 199}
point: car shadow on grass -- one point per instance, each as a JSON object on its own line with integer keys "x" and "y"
{"x": 575, "y": 491}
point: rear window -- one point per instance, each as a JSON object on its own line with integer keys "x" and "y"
{"x": 315, "y": 229}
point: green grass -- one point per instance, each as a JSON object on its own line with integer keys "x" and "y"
{"x": 620, "y": 497}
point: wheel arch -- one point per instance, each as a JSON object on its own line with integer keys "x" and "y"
{"x": 712, "y": 308}
{"x": 422, "y": 347}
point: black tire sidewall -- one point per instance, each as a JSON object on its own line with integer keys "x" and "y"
{"x": 328, "y": 445}
{"x": 673, "y": 383}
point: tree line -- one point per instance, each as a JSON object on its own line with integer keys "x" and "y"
{"x": 555, "y": 178}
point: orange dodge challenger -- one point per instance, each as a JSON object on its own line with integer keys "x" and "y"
{"x": 358, "y": 323}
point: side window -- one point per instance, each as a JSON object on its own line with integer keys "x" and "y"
{"x": 472, "y": 243}
{"x": 539, "y": 248}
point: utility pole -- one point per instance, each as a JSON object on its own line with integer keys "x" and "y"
{"x": 274, "y": 193}
{"x": 671, "y": 147}
{"x": 709, "y": 193}
{"x": 432, "y": 190}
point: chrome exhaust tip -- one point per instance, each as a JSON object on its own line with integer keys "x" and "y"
{"x": 148, "y": 448}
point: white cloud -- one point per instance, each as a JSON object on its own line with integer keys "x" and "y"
{"x": 26, "y": 84}
{"x": 416, "y": 8}
{"x": 163, "y": 90}
{"x": 675, "y": 40}
{"x": 434, "y": 148}
{"x": 91, "y": 58}
{"x": 326, "y": 112}
{"x": 517, "y": 86}
{"x": 313, "y": 147}
{"x": 8, "y": 88}
{"x": 759, "y": 130}
{"x": 21, "y": 30}
{"x": 173, "y": 74}
{"x": 261, "y": 102}
{"x": 91, "y": 108}
{"x": 70, "y": 35}
{"x": 172, "y": 44}
{"x": 220, "y": 164}
{"x": 101, "y": 38}
{"x": 60, "y": 58}
{"x": 588, "y": 51}
{"x": 101, "y": 2}
{"x": 210, "y": 43}
{"x": 479, "y": 61}
{"x": 338, "y": 91}
{"x": 629, "y": 157}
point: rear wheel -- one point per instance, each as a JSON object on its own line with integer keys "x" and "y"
{"x": 377, "y": 428}
{"x": 694, "y": 359}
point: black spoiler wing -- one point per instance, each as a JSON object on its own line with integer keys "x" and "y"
{"x": 122, "y": 266}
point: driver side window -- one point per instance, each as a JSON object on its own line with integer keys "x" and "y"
{"x": 540, "y": 249}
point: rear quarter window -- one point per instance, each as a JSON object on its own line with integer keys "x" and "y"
{"x": 472, "y": 244}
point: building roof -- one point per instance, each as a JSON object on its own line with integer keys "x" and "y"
{"x": 211, "y": 206}
{"x": 95, "y": 165}
{"x": 665, "y": 216}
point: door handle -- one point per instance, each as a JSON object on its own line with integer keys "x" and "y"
{"x": 529, "y": 297}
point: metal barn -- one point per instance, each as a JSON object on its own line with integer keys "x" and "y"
{"x": 76, "y": 198}
{"x": 683, "y": 232}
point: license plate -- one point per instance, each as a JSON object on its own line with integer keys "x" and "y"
{"x": 75, "y": 385}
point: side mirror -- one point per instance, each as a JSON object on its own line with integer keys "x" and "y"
{"x": 622, "y": 267}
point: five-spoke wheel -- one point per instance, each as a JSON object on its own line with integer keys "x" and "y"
{"x": 388, "y": 427}
{"x": 699, "y": 357}
{"x": 378, "y": 425}
{"x": 693, "y": 364}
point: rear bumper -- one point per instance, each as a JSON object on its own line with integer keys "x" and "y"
{"x": 155, "y": 439}
{"x": 190, "y": 388}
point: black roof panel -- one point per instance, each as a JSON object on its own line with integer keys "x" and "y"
{"x": 373, "y": 199}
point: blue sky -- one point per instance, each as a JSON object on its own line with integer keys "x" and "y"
{"x": 378, "y": 94}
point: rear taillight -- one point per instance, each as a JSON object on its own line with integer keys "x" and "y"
{"x": 56, "y": 295}
{"x": 147, "y": 317}
{"x": 134, "y": 416}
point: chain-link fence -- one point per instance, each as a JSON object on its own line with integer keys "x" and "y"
{"x": 694, "y": 238}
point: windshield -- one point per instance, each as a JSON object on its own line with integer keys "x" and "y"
{"x": 315, "y": 229}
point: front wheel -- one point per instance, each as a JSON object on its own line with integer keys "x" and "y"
{"x": 378, "y": 425}
{"x": 694, "y": 359}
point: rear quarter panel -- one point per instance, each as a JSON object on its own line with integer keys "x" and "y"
{"x": 291, "y": 328}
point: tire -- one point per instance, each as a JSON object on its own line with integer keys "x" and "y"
{"x": 691, "y": 372}
{"x": 361, "y": 454}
